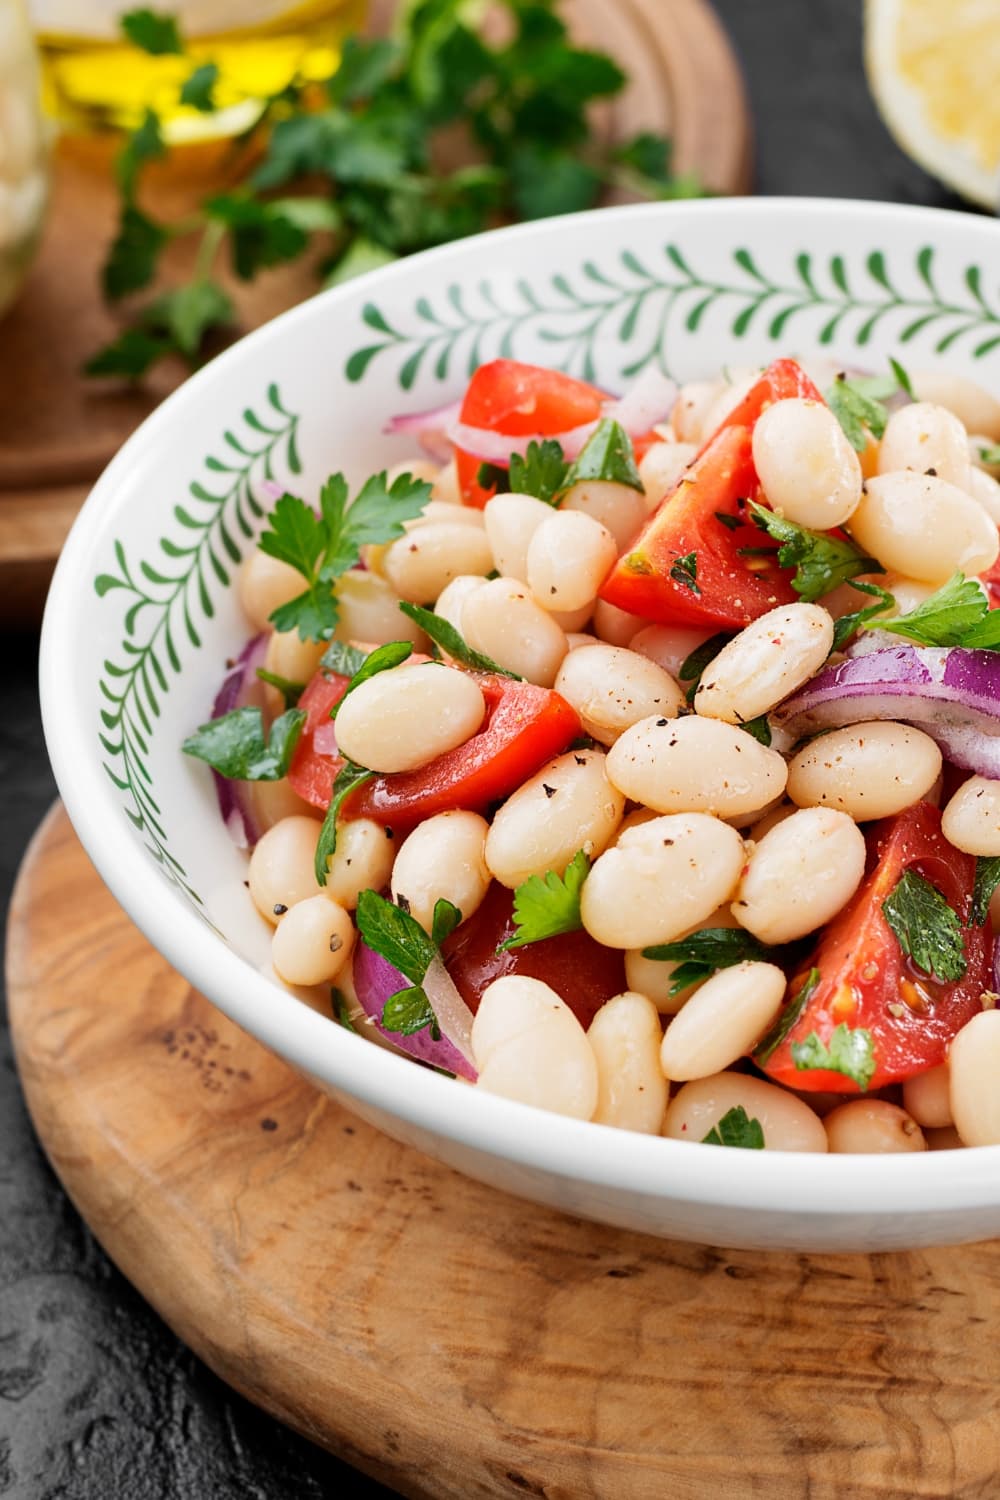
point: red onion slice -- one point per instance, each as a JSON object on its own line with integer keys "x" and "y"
{"x": 375, "y": 980}
{"x": 430, "y": 428}
{"x": 951, "y": 693}
{"x": 645, "y": 404}
{"x": 241, "y": 689}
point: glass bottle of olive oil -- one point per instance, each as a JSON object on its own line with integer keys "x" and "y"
{"x": 94, "y": 79}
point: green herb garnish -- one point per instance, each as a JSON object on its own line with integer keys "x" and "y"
{"x": 546, "y": 905}
{"x": 849, "y": 1051}
{"x": 926, "y": 928}
{"x": 858, "y": 403}
{"x": 342, "y": 1010}
{"x": 289, "y": 690}
{"x": 736, "y": 1128}
{"x": 154, "y": 32}
{"x": 341, "y": 659}
{"x": 390, "y": 931}
{"x": 704, "y": 953}
{"x": 684, "y": 570}
{"x": 234, "y": 745}
{"x": 606, "y": 455}
{"x": 542, "y": 472}
{"x": 348, "y": 778}
{"x": 382, "y": 659}
{"x": 957, "y": 614}
{"x": 821, "y": 562}
{"x": 446, "y": 918}
{"x": 846, "y": 626}
{"x": 986, "y": 881}
{"x": 448, "y": 638}
{"x": 787, "y": 1020}
{"x": 693, "y": 666}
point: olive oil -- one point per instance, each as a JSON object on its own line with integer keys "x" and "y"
{"x": 93, "y": 79}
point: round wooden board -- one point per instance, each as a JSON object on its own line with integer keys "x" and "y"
{"x": 58, "y": 430}
{"x": 450, "y": 1340}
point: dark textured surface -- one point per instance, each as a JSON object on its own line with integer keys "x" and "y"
{"x": 97, "y": 1400}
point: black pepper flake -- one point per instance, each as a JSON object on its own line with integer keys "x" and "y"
{"x": 549, "y": 791}
{"x": 668, "y": 843}
{"x": 336, "y": 943}
{"x": 581, "y": 760}
{"x": 662, "y": 723}
{"x": 247, "y": 884}
{"x": 268, "y": 1124}
{"x": 279, "y": 909}
{"x": 403, "y": 903}
{"x": 389, "y": 833}
{"x": 931, "y": 472}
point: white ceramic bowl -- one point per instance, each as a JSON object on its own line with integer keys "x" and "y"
{"x": 142, "y": 616}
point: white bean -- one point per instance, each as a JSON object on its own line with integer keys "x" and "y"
{"x": 693, "y": 402}
{"x": 866, "y": 770}
{"x": 661, "y": 468}
{"x": 668, "y": 645}
{"x": 737, "y": 384}
{"x": 695, "y": 765}
{"x": 788, "y": 1124}
{"x": 578, "y": 638}
{"x": 417, "y": 467}
{"x": 984, "y": 488}
{"x": 369, "y": 611}
{"x": 771, "y": 820}
{"x": 362, "y": 860}
{"x": 800, "y": 875}
{"x": 766, "y": 662}
{"x": 945, "y": 1139}
{"x": 971, "y": 820}
{"x": 265, "y": 584}
{"x": 653, "y": 977}
{"x": 451, "y": 600}
{"x": 453, "y": 512}
{"x": 511, "y": 522}
{"x": 408, "y": 716}
{"x": 611, "y": 688}
{"x": 721, "y": 1023}
{"x": 927, "y": 1097}
{"x": 282, "y": 864}
{"x": 289, "y": 656}
{"x": 528, "y": 1045}
{"x": 503, "y": 621}
{"x": 312, "y": 941}
{"x": 977, "y": 409}
{"x": 566, "y": 806}
{"x": 420, "y": 564}
{"x": 978, "y": 443}
{"x": 572, "y": 621}
{"x": 924, "y": 527}
{"x": 660, "y": 879}
{"x": 619, "y": 508}
{"x": 632, "y": 1091}
{"x": 446, "y": 485}
{"x": 926, "y": 438}
{"x": 569, "y": 557}
{"x": 442, "y": 859}
{"x": 615, "y": 626}
{"x": 271, "y": 801}
{"x": 974, "y": 1067}
{"x": 866, "y": 1127}
{"x": 809, "y": 470}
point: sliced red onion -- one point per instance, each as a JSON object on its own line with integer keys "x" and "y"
{"x": 951, "y": 693}
{"x": 430, "y": 428}
{"x": 645, "y": 404}
{"x": 241, "y": 689}
{"x": 375, "y": 980}
{"x": 325, "y": 739}
{"x": 269, "y": 489}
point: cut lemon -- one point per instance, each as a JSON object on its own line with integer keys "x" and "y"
{"x": 934, "y": 69}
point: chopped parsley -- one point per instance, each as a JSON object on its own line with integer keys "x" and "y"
{"x": 821, "y": 562}
{"x": 990, "y": 455}
{"x": 449, "y": 639}
{"x": 957, "y": 614}
{"x": 342, "y": 659}
{"x": 234, "y": 745}
{"x": 926, "y": 928}
{"x": 342, "y": 1010}
{"x": 760, "y": 728}
{"x": 787, "y": 1020}
{"x": 403, "y": 943}
{"x": 446, "y": 918}
{"x": 693, "y": 666}
{"x": 323, "y": 547}
{"x": 684, "y": 570}
{"x": 153, "y": 32}
{"x": 545, "y": 472}
{"x": 736, "y": 1128}
{"x": 409, "y": 1011}
{"x": 546, "y": 905}
{"x": 289, "y": 690}
{"x": 986, "y": 881}
{"x": 703, "y": 953}
{"x": 845, "y": 627}
{"x": 349, "y": 777}
{"x": 542, "y": 472}
{"x": 382, "y": 659}
{"x": 858, "y": 403}
{"x": 606, "y": 455}
{"x": 849, "y": 1051}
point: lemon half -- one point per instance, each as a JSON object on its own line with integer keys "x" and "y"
{"x": 934, "y": 69}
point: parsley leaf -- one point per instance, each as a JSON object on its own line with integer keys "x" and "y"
{"x": 323, "y": 547}
{"x": 134, "y": 253}
{"x": 382, "y": 659}
{"x": 546, "y": 905}
{"x": 693, "y": 666}
{"x": 990, "y": 455}
{"x": 849, "y": 1051}
{"x": 342, "y": 658}
{"x": 234, "y": 745}
{"x": 684, "y": 570}
{"x": 342, "y": 1010}
{"x": 542, "y": 472}
{"x": 188, "y": 313}
{"x": 198, "y": 89}
{"x": 736, "y": 1128}
{"x": 608, "y": 455}
{"x": 409, "y": 1011}
{"x": 398, "y": 937}
{"x": 857, "y": 405}
{"x": 986, "y": 881}
{"x": 704, "y": 952}
{"x": 902, "y": 378}
{"x": 760, "y": 728}
{"x": 925, "y": 926}
{"x": 152, "y": 31}
{"x": 131, "y": 354}
{"x": 787, "y": 1020}
{"x": 952, "y": 616}
{"x": 449, "y": 639}
{"x": 845, "y": 627}
{"x": 446, "y": 918}
{"x": 290, "y": 691}
{"x": 144, "y": 144}
{"x": 821, "y": 562}
{"x": 348, "y": 778}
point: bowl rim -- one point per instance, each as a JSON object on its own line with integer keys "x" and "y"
{"x": 573, "y": 1150}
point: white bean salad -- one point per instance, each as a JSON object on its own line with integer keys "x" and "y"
{"x": 639, "y": 758}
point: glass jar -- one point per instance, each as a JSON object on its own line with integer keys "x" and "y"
{"x": 24, "y": 149}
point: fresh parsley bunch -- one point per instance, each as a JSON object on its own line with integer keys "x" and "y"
{"x": 359, "y": 168}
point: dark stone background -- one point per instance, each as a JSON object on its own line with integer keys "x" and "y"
{"x": 98, "y": 1401}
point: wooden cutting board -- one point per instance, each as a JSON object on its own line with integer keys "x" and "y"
{"x": 454, "y": 1342}
{"x": 58, "y": 430}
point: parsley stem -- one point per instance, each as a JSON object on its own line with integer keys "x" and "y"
{"x": 215, "y": 233}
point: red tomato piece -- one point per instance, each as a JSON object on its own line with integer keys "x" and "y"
{"x": 685, "y": 566}
{"x": 991, "y": 578}
{"x": 867, "y": 981}
{"x": 524, "y": 726}
{"x": 581, "y": 971}
{"x": 517, "y": 399}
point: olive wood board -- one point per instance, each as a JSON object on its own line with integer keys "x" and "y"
{"x": 450, "y": 1340}
{"x": 58, "y": 430}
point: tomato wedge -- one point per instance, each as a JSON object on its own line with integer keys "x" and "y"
{"x": 685, "y": 567}
{"x": 581, "y": 971}
{"x": 867, "y": 981}
{"x": 517, "y": 399}
{"x": 524, "y": 726}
